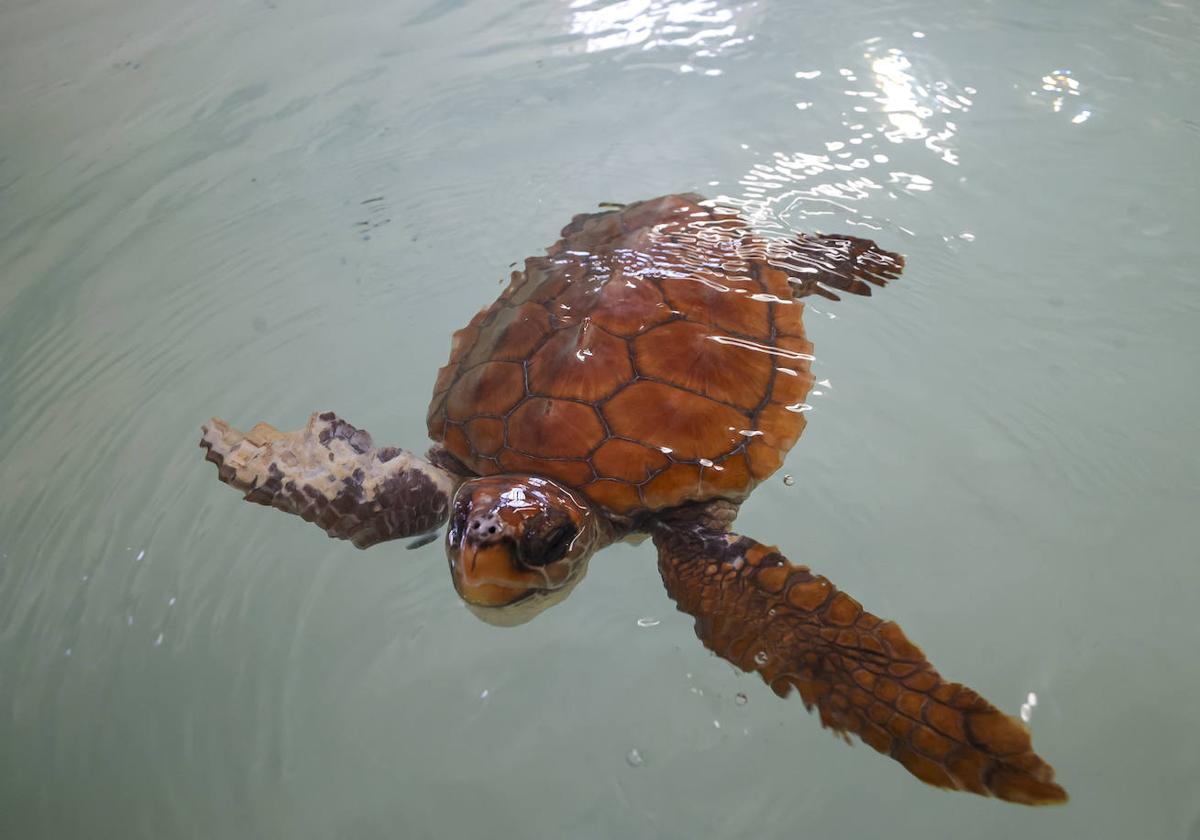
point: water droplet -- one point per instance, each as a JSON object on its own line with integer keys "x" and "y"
{"x": 634, "y": 758}
{"x": 129, "y": 620}
{"x": 67, "y": 652}
{"x": 1031, "y": 699}
{"x": 648, "y": 621}
{"x": 788, "y": 480}
{"x": 716, "y": 724}
{"x": 159, "y": 640}
{"x": 483, "y": 695}
{"x": 761, "y": 658}
{"x": 84, "y": 578}
{"x": 1026, "y": 712}
{"x": 140, "y": 555}
{"x": 171, "y": 602}
{"x": 741, "y": 699}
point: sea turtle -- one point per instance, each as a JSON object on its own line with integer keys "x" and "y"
{"x": 641, "y": 378}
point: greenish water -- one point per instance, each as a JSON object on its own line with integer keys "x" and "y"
{"x": 258, "y": 209}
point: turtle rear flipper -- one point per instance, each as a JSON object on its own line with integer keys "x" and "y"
{"x": 760, "y": 612}
{"x": 818, "y": 264}
{"x": 331, "y": 474}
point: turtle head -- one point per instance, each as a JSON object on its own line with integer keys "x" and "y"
{"x": 518, "y": 544}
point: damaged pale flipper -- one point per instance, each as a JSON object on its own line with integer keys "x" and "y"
{"x": 797, "y": 631}
{"x": 331, "y": 474}
{"x": 819, "y": 264}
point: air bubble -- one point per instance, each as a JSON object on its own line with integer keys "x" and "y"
{"x": 788, "y": 480}
{"x": 1027, "y": 707}
{"x": 648, "y": 621}
{"x": 740, "y": 699}
{"x": 634, "y": 758}
{"x": 761, "y": 658}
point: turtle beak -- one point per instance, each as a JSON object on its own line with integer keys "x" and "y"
{"x": 497, "y": 590}
{"x": 487, "y": 575}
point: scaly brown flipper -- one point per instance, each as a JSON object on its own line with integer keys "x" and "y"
{"x": 331, "y": 474}
{"x": 818, "y": 263}
{"x": 865, "y": 677}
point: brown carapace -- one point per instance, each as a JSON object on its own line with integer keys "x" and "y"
{"x": 642, "y": 377}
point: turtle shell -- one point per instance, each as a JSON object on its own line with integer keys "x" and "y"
{"x": 651, "y": 358}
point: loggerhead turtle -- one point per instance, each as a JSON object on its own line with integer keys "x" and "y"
{"x": 642, "y": 378}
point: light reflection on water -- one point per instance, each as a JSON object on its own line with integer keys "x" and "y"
{"x": 706, "y": 27}
{"x": 903, "y": 107}
{"x": 1006, "y": 460}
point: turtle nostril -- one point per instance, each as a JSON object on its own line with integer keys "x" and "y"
{"x": 483, "y": 525}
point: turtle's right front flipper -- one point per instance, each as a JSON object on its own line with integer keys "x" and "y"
{"x": 331, "y": 474}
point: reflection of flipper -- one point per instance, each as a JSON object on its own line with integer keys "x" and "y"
{"x": 865, "y": 677}
{"x": 818, "y": 264}
{"x": 330, "y": 473}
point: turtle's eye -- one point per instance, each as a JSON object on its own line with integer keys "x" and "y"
{"x": 543, "y": 549}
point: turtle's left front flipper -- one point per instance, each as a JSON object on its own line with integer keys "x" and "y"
{"x": 331, "y": 474}
{"x": 865, "y": 677}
